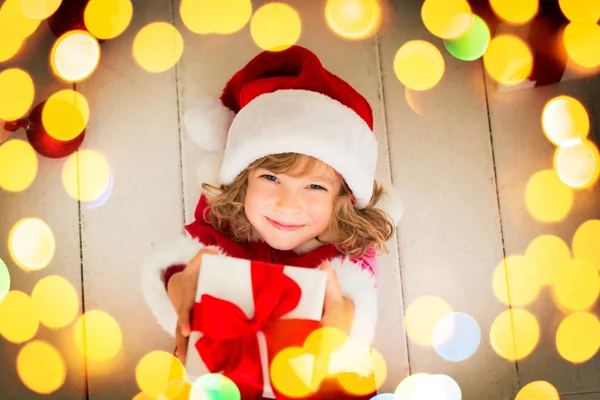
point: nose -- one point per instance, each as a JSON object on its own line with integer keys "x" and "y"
{"x": 288, "y": 201}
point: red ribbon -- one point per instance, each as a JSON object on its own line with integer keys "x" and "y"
{"x": 229, "y": 342}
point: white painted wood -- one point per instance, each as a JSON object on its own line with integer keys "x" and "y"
{"x": 47, "y": 200}
{"x": 450, "y": 234}
{"x": 134, "y": 125}
{"x": 521, "y": 150}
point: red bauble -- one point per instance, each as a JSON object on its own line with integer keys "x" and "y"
{"x": 68, "y": 17}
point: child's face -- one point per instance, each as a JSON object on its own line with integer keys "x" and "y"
{"x": 289, "y": 211}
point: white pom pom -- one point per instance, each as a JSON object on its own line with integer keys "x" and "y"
{"x": 207, "y": 123}
{"x": 209, "y": 168}
{"x": 391, "y": 203}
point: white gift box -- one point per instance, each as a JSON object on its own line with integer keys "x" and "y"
{"x": 230, "y": 279}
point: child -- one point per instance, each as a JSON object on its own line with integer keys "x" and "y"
{"x": 297, "y": 187}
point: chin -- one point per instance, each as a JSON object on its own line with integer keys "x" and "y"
{"x": 282, "y": 244}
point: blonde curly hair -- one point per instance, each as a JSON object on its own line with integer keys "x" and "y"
{"x": 352, "y": 231}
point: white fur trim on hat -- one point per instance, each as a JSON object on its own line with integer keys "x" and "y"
{"x": 207, "y": 121}
{"x": 306, "y": 122}
{"x": 391, "y": 203}
{"x": 180, "y": 251}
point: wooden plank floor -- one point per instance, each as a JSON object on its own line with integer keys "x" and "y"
{"x": 461, "y": 153}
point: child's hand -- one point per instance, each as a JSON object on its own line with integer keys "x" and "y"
{"x": 182, "y": 292}
{"x": 338, "y": 311}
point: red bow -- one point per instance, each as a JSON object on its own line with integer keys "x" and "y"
{"x": 229, "y": 342}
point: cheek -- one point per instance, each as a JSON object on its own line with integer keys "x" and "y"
{"x": 321, "y": 212}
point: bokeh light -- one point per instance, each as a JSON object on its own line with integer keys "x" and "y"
{"x": 547, "y": 198}
{"x": 101, "y": 201}
{"x": 456, "y": 337}
{"x": 275, "y": 27}
{"x": 516, "y": 281}
{"x": 508, "y": 60}
{"x": 419, "y": 65}
{"x": 107, "y": 19}
{"x": 563, "y": 119}
{"x": 586, "y": 242}
{"x": 157, "y": 47}
{"x": 473, "y": 43}
{"x": 18, "y": 322}
{"x": 577, "y": 163}
{"x": 221, "y": 17}
{"x": 548, "y": 253}
{"x": 10, "y": 44}
{"x": 446, "y": 19}
{"x": 41, "y": 368}
{"x": 18, "y": 165}
{"x": 31, "y": 244}
{"x": 515, "y": 11}
{"x": 353, "y": 19}
{"x": 213, "y": 387}
{"x": 16, "y": 93}
{"x": 102, "y": 336}
{"x": 75, "y": 56}
{"x": 582, "y": 42}
{"x": 422, "y": 315}
{"x": 55, "y": 301}
{"x": 384, "y": 396}
{"x": 577, "y": 285}
{"x": 538, "y": 390}
{"x": 144, "y": 396}
{"x": 155, "y": 370}
{"x": 358, "y": 385}
{"x": 14, "y": 20}
{"x": 65, "y": 114}
{"x": 4, "y": 280}
{"x": 578, "y": 337}
{"x": 426, "y": 387}
{"x": 581, "y": 10}
{"x": 40, "y": 9}
{"x": 322, "y": 344}
{"x": 86, "y": 175}
{"x": 518, "y": 343}
{"x": 291, "y": 372}
{"x": 176, "y": 390}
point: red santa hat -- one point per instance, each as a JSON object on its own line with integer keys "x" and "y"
{"x": 287, "y": 102}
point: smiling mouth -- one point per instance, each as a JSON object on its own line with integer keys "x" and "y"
{"x": 283, "y": 227}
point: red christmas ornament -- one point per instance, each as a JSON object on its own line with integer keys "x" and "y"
{"x": 40, "y": 140}
{"x": 69, "y": 17}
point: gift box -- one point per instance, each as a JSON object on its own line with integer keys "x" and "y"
{"x": 245, "y": 313}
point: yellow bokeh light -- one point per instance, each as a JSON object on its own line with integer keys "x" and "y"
{"x": 102, "y": 337}
{"x": 508, "y": 60}
{"x": 516, "y": 281}
{"x": 582, "y": 42}
{"x": 208, "y": 16}
{"x": 41, "y": 368}
{"x": 578, "y": 337}
{"x": 364, "y": 385}
{"x": 581, "y": 10}
{"x": 291, "y": 372}
{"x": 322, "y": 343}
{"x": 578, "y": 163}
{"x": 18, "y": 321}
{"x": 31, "y": 244}
{"x": 13, "y": 19}
{"x": 446, "y": 19}
{"x": 157, "y": 47}
{"x": 524, "y": 340}
{"x": 40, "y": 9}
{"x": 155, "y": 370}
{"x": 577, "y": 285}
{"x": 422, "y": 316}
{"x": 515, "y": 11}
{"x": 75, "y": 56}
{"x": 16, "y": 93}
{"x": 547, "y": 198}
{"x": 548, "y": 253}
{"x": 419, "y": 65}
{"x": 353, "y": 19}
{"x": 410, "y": 386}
{"x": 586, "y": 242}
{"x": 144, "y": 396}
{"x": 275, "y": 27}
{"x": 65, "y": 114}
{"x": 10, "y": 44}
{"x": 18, "y": 165}
{"x": 538, "y": 390}
{"x": 55, "y": 301}
{"x": 176, "y": 390}
{"x": 107, "y": 19}
{"x": 563, "y": 119}
{"x": 86, "y": 175}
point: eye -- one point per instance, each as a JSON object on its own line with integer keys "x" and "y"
{"x": 317, "y": 187}
{"x": 268, "y": 177}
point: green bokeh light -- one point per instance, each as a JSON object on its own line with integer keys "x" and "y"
{"x": 473, "y": 43}
{"x": 4, "y": 280}
{"x": 215, "y": 387}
